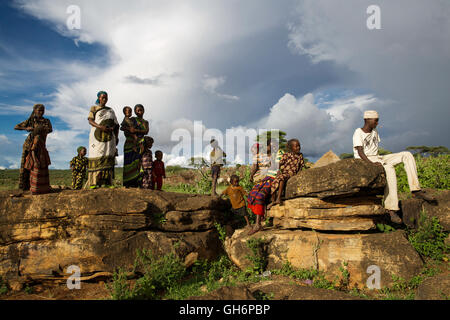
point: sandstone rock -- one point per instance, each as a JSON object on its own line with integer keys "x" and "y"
{"x": 345, "y": 177}
{"x": 342, "y": 224}
{"x": 339, "y": 214}
{"x": 391, "y": 252}
{"x": 434, "y": 288}
{"x": 411, "y": 209}
{"x": 328, "y": 158}
{"x": 227, "y": 293}
{"x": 101, "y": 230}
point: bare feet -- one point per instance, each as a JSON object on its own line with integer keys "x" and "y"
{"x": 255, "y": 230}
{"x": 270, "y": 205}
{"x": 394, "y": 217}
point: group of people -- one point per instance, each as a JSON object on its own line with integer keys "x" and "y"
{"x": 140, "y": 169}
{"x": 271, "y": 167}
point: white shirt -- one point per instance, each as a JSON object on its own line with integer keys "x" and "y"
{"x": 216, "y": 156}
{"x": 369, "y": 142}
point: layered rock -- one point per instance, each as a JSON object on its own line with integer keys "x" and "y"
{"x": 345, "y": 177}
{"x": 328, "y": 158}
{"x": 391, "y": 252}
{"x": 101, "y": 230}
{"x": 335, "y": 214}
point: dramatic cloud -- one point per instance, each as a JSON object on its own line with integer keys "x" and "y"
{"x": 246, "y": 65}
{"x": 406, "y": 62}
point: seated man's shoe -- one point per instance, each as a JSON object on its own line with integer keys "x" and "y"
{"x": 422, "y": 195}
{"x": 394, "y": 217}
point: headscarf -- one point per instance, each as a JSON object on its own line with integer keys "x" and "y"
{"x": 98, "y": 96}
{"x": 30, "y": 121}
{"x": 80, "y": 148}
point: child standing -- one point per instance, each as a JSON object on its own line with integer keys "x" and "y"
{"x": 38, "y": 161}
{"x": 236, "y": 194}
{"x": 159, "y": 171}
{"x": 216, "y": 160}
{"x": 147, "y": 164}
{"x": 79, "y": 165}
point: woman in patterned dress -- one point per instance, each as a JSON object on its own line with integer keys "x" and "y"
{"x": 290, "y": 164}
{"x": 37, "y": 162}
{"x": 132, "y": 157}
{"x": 103, "y": 140}
{"x": 36, "y": 119}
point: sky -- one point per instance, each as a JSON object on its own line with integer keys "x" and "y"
{"x": 307, "y": 67}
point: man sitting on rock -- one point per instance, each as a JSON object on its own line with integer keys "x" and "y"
{"x": 365, "y": 147}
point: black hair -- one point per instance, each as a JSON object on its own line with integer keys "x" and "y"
{"x": 212, "y": 140}
{"x": 234, "y": 178}
{"x": 139, "y": 106}
{"x": 158, "y": 152}
{"x": 289, "y": 143}
{"x": 126, "y": 107}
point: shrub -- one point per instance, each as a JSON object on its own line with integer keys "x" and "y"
{"x": 433, "y": 172}
{"x": 258, "y": 256}
{"x": 429, "y": 238}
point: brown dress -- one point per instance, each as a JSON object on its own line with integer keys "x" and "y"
{"x": 33, "y": 122}
{"x": 290, "y": 165}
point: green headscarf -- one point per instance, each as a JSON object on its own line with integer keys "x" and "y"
{"x": 98, "y": 96}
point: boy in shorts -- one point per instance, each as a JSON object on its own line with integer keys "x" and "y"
{"x": 237, "y": 197}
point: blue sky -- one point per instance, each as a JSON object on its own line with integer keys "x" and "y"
{"x": 309, "y": 68}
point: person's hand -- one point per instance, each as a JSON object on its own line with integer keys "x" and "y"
{"x": 379, "y": 164}
{"x": 106, "y": 129}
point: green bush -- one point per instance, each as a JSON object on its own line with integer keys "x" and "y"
{"x": 258, "y": 256}
{"x": 159, "y": 274}
{"x": 429, "y": 238}
{"x": 3, "y": 287}
{"x": 433, "y": 172}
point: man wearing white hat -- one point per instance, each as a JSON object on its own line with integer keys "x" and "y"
{"x": 365, "y": 147}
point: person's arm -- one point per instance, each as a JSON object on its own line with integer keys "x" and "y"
{"x": 363, "y": 156}
{"x": 164, "y": 170}
{"x": 49, "y": 127}
{"x": 23, "y": 126}
{"x": 33, "y": 152}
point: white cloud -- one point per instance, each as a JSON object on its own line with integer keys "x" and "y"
{"x": 4, "y": 139}
{"x": 210, "y": 84}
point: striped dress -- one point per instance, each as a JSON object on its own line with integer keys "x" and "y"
{"x": 39, "y": 175}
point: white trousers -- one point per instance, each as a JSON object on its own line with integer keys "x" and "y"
{"x": 389, "y": 161}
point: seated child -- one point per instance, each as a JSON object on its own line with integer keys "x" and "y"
{"x": 159, "y": 171}
{"x": 290, "y": 164}
{"x": 78, "y": 165}
{"x": 147, "y": 163}
{"x": 127, "y": 124}
{"x": 236, "y": 194}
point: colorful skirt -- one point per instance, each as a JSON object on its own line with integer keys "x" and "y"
{"x": 131, "y": 164}
{"x": 39, "y": 180}
{"x": 259, "y": 196}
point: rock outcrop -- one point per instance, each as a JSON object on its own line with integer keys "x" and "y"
{"x": 412, "y": 208}
{"x": 101, "y": 230}
{"x": 345, "y": 177}
{"x": 391, "y": 252}
{"x": 434, "y": 288}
